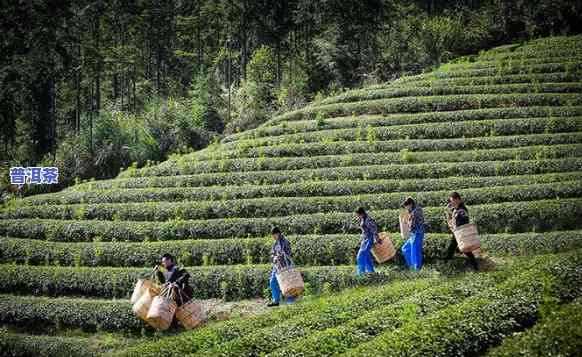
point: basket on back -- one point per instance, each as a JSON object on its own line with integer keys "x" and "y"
{"x": 162, "y": 309}
{"x": 190, "y": 314}
{"x": 467, "y": 239}
{"x": 140, "y": 288}
{"x": 142, "y": 305}
{"x": 383, "y": 251}
{"x": 404, "y": 218}
{"x": 290, "y": 281}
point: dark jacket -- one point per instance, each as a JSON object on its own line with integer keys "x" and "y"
{"x": 179, "y": 276}
{"x": 460, "y": 215}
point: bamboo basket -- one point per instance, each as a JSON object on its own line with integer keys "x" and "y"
{"x": 404, "y": 226}
{"x": 385, "y": 250}
{"x": 290, "y": 281}
{"x": 140, "y": 287}
{"x": 190, "y": 314}
{"x": 467, "y": 239}
{"x": 162, "y": 309}
{"x": 142, "y": 305}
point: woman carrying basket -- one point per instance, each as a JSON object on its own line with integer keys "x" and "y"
{"x": 412, "y": 248}
{"x": 364, "y": 261}
{"x": 459, "y": 217}
{"x": 281, "y": 256}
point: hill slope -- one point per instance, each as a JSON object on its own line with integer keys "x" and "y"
{"x": 504, "y": 128}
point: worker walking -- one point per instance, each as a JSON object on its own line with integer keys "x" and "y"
{"x": 412, "y": 248}
{"x": 281, "y": 257}
{"x": 459, "y": 217}
{"x": 369, "y": 228}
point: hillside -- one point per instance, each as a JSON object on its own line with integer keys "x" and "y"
{"x": 503, "y": 128}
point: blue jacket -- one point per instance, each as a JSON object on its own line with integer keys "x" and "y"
{"x": 369, "y": 230}
{"x": 281, "y": 250}
{"x": 417, "y": 224}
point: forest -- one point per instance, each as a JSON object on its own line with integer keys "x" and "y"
{"x": 95, "y": 86}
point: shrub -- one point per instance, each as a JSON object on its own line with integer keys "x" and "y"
{"x": 86, "y": 314}
{"x": 559, "y": 334}
{"x": 273, "y": 207}
{"x": 16, "y": 344}
{"x": 495, "y": 313}
{"x": 309, "y": 188}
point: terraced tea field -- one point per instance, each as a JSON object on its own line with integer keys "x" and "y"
{"x": 503, "y": 128}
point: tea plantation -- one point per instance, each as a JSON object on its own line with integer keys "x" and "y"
{"x": 504, "y": 128}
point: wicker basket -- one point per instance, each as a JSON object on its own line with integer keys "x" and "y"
{"x": 290, "y": 281}
{"x": 140, "y": 287}
{"x": 190, "y": 314}
{"x": 467, "y": 239}
{"x": 162, "y": 309}
{"x": 385, "y": 250}
{"x": 142, "y": 305}
{"x": 404, "y": 226}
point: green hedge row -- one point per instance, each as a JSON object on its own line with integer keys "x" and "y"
{"x": 371, "y": 134}
{"x": 481, "y": 321}
{"x": 499, "y": 64}
{"x": 336, "y": 249}
{"x": 499, "y": 71}
{"x": 433, "y": 103}
{"x": 261, "y": 341}
{"x": 314, "y": 188}
{"x": 22, "y": 345}
{"x": 557, "y": 334}
{"x": 556, "y": 43}
{"x": 462, "y": 63}
{"x": 396, "y": 92}
{"x": 529, "y": 52}
{"x": 227, "y": 282}
{"x": 172, "y": 168}
{"x": 86, "y": 314}
{"x": 533, "y": 78}
{"x": 502, "y": 217}
{"x": 406, "y": 172}
{"x": 398, "y": 145}
{"x": 375, "y": 153}
{"x": 276, "y": 207}
{"x": 392, "y": 120}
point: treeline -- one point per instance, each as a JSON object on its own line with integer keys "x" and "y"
{"x": 93, "y": 86}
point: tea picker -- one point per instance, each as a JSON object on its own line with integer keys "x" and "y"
{"x": 412, "y": 226}
{"x": 173, "y": 275}
{"x": 364, "y": 261}
{"x": 285, "y": 282}
{"x": 465, "y": 237}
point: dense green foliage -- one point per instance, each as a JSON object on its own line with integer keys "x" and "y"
{"x": 94, "y": 86}
{"x": 502, "y": 128}
{"x": 22, "y": 345}
{"x": 558, "y": 334}
{"x": 558, "y": 277}
{"x": 496, "y": 312}
{"x": 499, "y": 217}
{"x": 86, "y": 314}
{"x": 329, "y": 249}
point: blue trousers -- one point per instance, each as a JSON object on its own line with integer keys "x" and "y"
{"x": 276, "y": 290}
{"x": 412, "y": 250}
{"x": 364, "y": 261}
